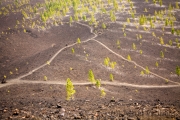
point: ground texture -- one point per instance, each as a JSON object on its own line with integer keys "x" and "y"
{"x": 35, "y": 64}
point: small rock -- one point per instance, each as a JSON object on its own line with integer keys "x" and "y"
{"x": 131, "y": 118}
{"x": 3, "y": 81}
{"x": 27, "y": 116}
{"x": 59, "y": 106}
{"x": 16, "y": 112}
{"x": 77, "y": 116}
{"x": 112, "y": 100}
{"x": 4, "y": 110}
{"x": 178, "y": 118}
{"x": 125, "y": 117}
{"x": 62, "y": 112}
{"x": 10, "y": 117}
{"x": 102, "y": 107}
{"x": 87, "y": 100}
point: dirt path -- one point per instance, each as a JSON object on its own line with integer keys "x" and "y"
{"x": 18, "y": 81}
{"x": 114, "y": 83}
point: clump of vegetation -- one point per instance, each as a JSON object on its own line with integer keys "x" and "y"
{"x": 124, "y": 34}
{"x": 147, "y": 70}
{"x": 118, "y": 43}
{"x": 113, "y": 64}
{"x": 153, "y": 34}
{"x": 111, "y": 77}
{"x": 160, "y": 2}
{"x": 72, "y": 50}
{"x": 142, "y": 72}
{"x": 70, "y": 20}
{"x": 98, "y": 83}
{"x": 45, "y": 78}
{"x": 129, "y": 57}
{"x": 10, "y": 72}
{"x": 106, "y": 61}
{"x": 103, "y": 93}
{"x": 141, "y": 52}
{"x": 145, "y": 10}
{"x": 128, "y": 20}
{"x": 162, "y": 54}
{"x": 69, "y": 89}
{"x": 161, "y": 41}
{"x": 112, "y": 16}
{"x": 157, "y": 65}
{"x": 170, "y": 42}
{"x": 91, "y": 77}
{"x": 134, "y": 46}
{"x": 178, "y": 70}
{"x": 142, "y": 20}
{"x": 78, "y": 41}
{"x": 177, "y": 5}
{"x": 103, "y": 26}
{"x": 172, "y": 30}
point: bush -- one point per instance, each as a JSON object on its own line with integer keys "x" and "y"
{"x": 69, "y": 89}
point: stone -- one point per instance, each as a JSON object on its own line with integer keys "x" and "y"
{"x": 76, "y": 116}
{"x": 112, "y": 100}
{"x": 59, "y": 106}
{"x": 62, "y": 112}
{"x": 16, "y": 112}
{"x": 3, "y": 81}
{"x": 131, "y": 118}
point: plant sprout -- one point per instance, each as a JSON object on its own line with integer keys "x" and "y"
{"x": 10, "y": 72}
{"x": 111, "y": 77}
{"x": 118, "y": 43}
{"x": 45, "y": 78}
{"x": 172, "y": 30}
{"x": 170, "y": 42}
{"x": 177, "y": 5}
{"x": 128, "y": 20}
{"x": 129, "y": 57}
{"x": 161, "y": 41}
{"x": 162, "y": 54}
{"x": 145, "y": 10}
{"x": 153, "y": 34}
{"x": 160, "y": 2}
{"x": 142, "y": 72}
{"x": 103, "y": 93}
{"x": 72, "y": 50}
{"x": 106, "y": 61}
{"x": 134, "y": 46}
{"x": 124, "y": 34}
{"x": 157, "y": 65}
{"x": 78, "y": 41}
{"x": 98, "y": 83}
{"x": 103, "y": 26}
{"x": 70, "y": 20}
{"x": 69, "y": 89}
{"x": 112, "y": 64}
{"x": 91, "y": 77}
{"x": 141, "y": 51}
{"x": 178, "y": 70}
{"x": 147, "y": 70}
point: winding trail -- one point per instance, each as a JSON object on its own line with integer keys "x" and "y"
{"x": 114, "y": 83}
